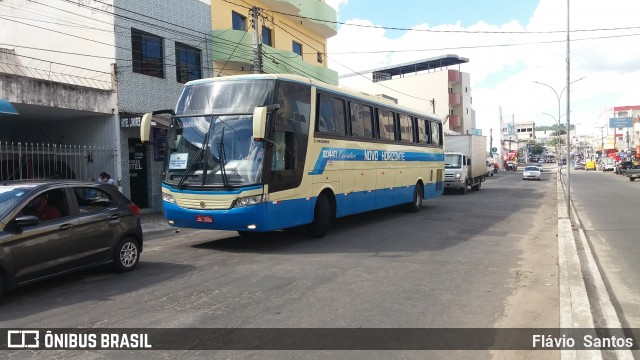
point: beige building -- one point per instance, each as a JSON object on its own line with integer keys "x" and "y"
{"x": 292, "y": 36}
{"x": 435, "y": 85}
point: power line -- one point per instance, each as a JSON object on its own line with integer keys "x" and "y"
{"x": 441, "y": 31}
{"x": 482, "y": 46}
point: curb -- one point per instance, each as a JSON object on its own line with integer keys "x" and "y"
{"x": 575, "y": 308}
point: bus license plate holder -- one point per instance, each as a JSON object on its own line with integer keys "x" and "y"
{"x": 207, "y": 219}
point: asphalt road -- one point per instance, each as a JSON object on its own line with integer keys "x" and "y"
{"x": 608, "y": 206}
{"x": 486, "y": 259}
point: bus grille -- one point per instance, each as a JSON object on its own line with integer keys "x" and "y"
{"x": 206, "y": 204}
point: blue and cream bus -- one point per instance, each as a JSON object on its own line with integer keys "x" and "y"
{"x": 257, "y": 153}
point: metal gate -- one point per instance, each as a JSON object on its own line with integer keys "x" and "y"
{"x": 22, "y": 160}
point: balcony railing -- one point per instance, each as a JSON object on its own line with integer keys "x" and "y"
{"x": 454, "y": 121}
{"x": 454, "y": 99}
{"x": 454, "y": 76}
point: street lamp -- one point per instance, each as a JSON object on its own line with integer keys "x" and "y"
{"x": 558, "y": 96}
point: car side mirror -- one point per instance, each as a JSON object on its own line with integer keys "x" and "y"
{"x": 25, "y": 221}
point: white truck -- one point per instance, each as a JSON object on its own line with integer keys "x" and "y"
{"x": 465, "y": 159}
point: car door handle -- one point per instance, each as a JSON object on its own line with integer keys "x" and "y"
{"x": 114, "y": 217}
{"x": 65, "y": 227}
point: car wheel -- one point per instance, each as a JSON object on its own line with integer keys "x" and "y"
{"x": 321, "y": 218}
{"x": 126, "y": 256}
{"x": 416, "y": 204}
{"x": 632, "y": 179}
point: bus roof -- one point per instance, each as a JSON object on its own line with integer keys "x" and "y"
{"x": 338, "y": 89}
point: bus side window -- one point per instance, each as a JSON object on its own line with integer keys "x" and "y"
{"x": 423, "y": 131}
{"x": 361, "y": 120}
{"x": 283, "y": 152}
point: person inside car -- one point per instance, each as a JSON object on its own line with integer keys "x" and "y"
{"x": 44, "y": 211}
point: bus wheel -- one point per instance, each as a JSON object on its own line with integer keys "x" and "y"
{"x": 416, "y": 204}
{"x": 321, "y": 218}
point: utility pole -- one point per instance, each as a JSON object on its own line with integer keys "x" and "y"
{"x": 568, "y": 119}
{"x": 257, "y": 46}
{"x": 491, "y": 143}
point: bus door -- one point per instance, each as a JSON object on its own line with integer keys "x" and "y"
{"x": 290, "y": 133}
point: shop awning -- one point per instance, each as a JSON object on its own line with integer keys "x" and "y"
{"x": 6, "y": 108}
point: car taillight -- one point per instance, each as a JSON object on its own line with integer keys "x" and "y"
{"x": 135, "y": 209}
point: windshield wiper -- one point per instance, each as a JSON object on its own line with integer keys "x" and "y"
{"x": 197, "y": 158}
{"x": 223, "y": 160}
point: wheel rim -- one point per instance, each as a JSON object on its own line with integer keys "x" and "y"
{"x": 128, "y": 254}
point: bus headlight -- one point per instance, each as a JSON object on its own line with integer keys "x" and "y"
{"x": 458, "y": 176}
{"x": 248, "y": 201}
{"x": 168, "y": 198}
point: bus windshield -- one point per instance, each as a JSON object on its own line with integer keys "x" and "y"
{"x": 452, "y": 161}
{"x": 210, "y": 140}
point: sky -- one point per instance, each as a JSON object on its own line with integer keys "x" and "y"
{"x": 510, "y": 45}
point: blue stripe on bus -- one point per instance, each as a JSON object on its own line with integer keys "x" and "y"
{"x": 212, "y": 192}
{"x": 284, "y": 214}
{"x": 340, "y": 154}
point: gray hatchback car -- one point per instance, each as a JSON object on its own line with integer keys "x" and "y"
{"x": 49, "y": 228}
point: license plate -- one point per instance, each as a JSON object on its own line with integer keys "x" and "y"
{"x": 204, "y": 219}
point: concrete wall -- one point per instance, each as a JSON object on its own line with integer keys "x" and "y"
{"x": 25, "y": 90}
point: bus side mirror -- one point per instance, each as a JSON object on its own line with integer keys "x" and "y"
{"x": 259, "y": 122}
{"x": 145, "y": 127}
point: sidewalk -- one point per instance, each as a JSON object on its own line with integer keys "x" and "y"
{"x": 153, "y": 221}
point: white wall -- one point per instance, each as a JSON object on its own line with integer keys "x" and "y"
{"x": 412, "y": 91}
{"x": 43, "y": 29}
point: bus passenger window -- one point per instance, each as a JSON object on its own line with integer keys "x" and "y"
{"x": 406, "y": 128}
{"x": 361, "y": 124}
{"x": 435, "y": 133}
{"x": 423, "y": 132}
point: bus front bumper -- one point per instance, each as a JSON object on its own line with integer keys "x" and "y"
{"x": 249, "y": 218}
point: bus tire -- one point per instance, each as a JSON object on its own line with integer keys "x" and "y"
{"x": 416, "y": 204}
{"x": 321, "y": 218}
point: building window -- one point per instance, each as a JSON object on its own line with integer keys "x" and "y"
{"x": 238, "y": 22}
{"x": 147, "y": 53}
{"x": 297, "y": 47}
{"x": 267, "y": 38}
{"x": 187, "y": 63}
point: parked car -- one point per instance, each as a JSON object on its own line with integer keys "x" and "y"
{"x": 578, "y": 165}
{"x": 54, "y": 227}
{"x": 633, "y": 172}
{"x": 622, "y": 167}
{"x": 531, "y": 173}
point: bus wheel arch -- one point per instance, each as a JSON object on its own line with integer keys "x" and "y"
{"x": 323, "y": 214}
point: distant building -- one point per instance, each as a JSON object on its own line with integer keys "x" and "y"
{"x": 293, "y": 37}
{"x": 435, "y": 86}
